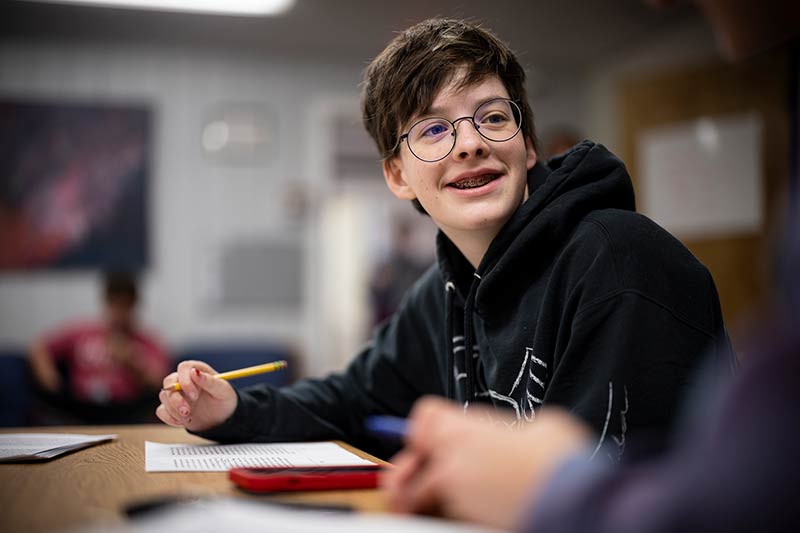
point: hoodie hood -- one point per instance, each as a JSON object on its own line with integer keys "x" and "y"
{"x": 562, "y": 193}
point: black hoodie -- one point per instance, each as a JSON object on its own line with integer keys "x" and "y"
{"x": 579, "y": 302}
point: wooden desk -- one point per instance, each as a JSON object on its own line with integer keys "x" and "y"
{"x": 95, "y": 484}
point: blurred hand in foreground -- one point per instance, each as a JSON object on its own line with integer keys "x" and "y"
{"x": 470, "y": 467}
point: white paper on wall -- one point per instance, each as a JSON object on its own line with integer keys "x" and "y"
{"x": 703, "y": 178}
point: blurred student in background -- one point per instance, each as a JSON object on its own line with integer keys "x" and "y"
{"x": 395, "y": 274}
{"x": 734, "y": 467}
{"x": 106, "y": 370}
{"x": 559, "y": 139}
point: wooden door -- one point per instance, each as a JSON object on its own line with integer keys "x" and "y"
{"x": 739, "y": 263}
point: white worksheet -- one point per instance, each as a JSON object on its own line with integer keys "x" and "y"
{"x": 43, "y": 446}
{"x": 222, "y": 457}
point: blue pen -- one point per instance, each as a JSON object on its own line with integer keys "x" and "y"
{"x": 390, "y": 427}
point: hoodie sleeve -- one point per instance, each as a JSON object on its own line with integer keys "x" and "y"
{"x": 642, "y": 315}
{"x": 628, "y": 363}
{"x": 386, "y": 377}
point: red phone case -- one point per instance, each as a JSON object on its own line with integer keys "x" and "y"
{"x": 278, "y": 479}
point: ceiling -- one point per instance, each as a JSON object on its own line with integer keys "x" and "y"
{"x": 546, "y": 33}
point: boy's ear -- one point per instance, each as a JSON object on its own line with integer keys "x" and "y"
{"x": 394, "y": 174}
{"x": 531, "y": 157}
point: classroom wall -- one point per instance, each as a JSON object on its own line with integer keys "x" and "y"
{"x": 197, "y": 206}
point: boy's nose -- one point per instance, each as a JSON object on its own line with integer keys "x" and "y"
{"x": 468, "y": 141}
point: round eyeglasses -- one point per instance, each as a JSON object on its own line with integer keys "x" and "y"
{"x": 432, "y": 139}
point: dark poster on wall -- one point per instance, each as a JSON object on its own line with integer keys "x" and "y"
{"x": 73, "y": 185}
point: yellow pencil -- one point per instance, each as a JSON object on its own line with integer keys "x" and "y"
{"x": 241, "y": 373}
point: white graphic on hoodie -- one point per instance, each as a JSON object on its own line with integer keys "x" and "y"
{"x": 536, "y": 372}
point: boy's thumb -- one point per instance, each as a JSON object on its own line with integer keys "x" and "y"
{"x": 207, "y": 382}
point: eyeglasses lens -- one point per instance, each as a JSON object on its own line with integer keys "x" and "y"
{"x": 497, "y": 120}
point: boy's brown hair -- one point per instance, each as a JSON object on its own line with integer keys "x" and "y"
{"x": 402, "y": 81}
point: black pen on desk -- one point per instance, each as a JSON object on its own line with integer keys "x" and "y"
{"x": 387, "y": 427}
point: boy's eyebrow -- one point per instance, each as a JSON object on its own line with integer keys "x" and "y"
{"x": 439, "y": 111}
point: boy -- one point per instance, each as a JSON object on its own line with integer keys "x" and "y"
{"x": 548, "y": 289}
{"x": 729, "y": 467}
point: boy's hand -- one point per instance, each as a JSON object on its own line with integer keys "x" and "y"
{"x": 203, "y": 401}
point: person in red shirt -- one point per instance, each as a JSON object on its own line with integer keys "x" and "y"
{"x": 101, "y": 368}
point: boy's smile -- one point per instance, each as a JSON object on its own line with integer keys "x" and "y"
{"x": 476, "y": 188}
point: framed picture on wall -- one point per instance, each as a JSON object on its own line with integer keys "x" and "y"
{"x": 73, "y": 185}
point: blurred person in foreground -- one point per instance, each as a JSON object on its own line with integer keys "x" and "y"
{"x": 105, "y": 370}
{"x": 735, "y": 466}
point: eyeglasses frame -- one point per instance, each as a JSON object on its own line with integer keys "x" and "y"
{"x": 454, "y": 134}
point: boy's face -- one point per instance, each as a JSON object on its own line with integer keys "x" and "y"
{"x": 459, "y": 210}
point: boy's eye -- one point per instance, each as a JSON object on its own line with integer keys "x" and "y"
{"x": 435, "y": 129}
{"x": 494, "y": 118}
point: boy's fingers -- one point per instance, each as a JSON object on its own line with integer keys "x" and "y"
{"x": 218, "y": 388}
{"x": 176, "y": 405}
{"x": 164, "y": 416}
{"x": 188, "y": 387}
{"x": 169, "y": 380}
{"x": 164, "y": 398}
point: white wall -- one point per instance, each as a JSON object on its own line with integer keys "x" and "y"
{"x": 557, "y": 98}
{"x": 194, "y": 203}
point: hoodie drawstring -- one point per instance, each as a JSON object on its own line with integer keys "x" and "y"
{"x": 449, "y": 293}
{"x": 468, "y": 340}
{"x": 469, "y": 370}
